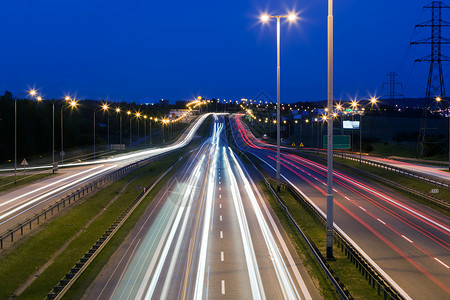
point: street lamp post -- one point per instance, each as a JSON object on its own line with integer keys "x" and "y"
{"x": 129, "y": 115}
{"x": 32, "y": 93}
{"x": 137, "y": 117}
{"x": 150, "y": 128}
{"x": 329, "y": 226}
{"x": 105, "y": 107}
{"x": 72, "y": 104}
{"x": 145, "y": 131}
{"x": 120, "y": 126}
{"x": 265, "y": 18}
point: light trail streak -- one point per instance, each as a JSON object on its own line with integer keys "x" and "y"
{"x": 201, "y": 268}
{"x": 49, "y": 194}
{"x": 350, "y": 240}
{"x": 284, "y": 278}
{"x": 249, "y": 252}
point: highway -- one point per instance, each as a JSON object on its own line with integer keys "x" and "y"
{"x": 407, "y": 242}
{"x": 19, "y": 204}
{"x": 208, "y": 234}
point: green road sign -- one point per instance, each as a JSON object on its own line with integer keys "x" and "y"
{"x": 340, "y": 142}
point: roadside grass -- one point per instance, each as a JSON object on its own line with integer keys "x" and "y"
{"x": 24, "y": 259}
{"x": 7, "y": 182}
{"x": 356, "y": 283}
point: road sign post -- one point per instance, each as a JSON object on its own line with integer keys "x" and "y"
{"x": 24, "y": 164}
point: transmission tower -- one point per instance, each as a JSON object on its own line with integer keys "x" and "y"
{"x": 393, "y": 92}
{"x": 435, "y": 85}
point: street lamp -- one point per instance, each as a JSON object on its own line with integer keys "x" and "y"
{"x": 31, "y": 93}
{"x": 120, "y": 126}
{"x": 145, "y": 131}
{"x": 71, "y": 104}
{"x": 151, "y": 118}
{"x": 137, "y": 117}
{"x": 129, "y": 115}
{"x": 265, "y": 18}
{"x": 329, "y": 225}
{"x": 104, "y": 107}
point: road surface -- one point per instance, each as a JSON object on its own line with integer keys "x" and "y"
{"x": 408, "y": 242}
{"x": 208, "y": 234}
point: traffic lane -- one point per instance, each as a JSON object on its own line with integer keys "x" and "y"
{"x": 389, "y": 257}
{"x": 279, "y": 273}
{"x": 111, "y": 275}
{"x": 284, "y": 243}
{"x": 227, "y": 271}
{"x": 377, "y": 202}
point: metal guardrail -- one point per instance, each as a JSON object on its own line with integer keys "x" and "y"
{"x": 8, "y": 235}
{"x": 75, "y": 272}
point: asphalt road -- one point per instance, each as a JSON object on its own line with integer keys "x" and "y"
{"x": 208, "y": 234}
{"x": 409, "y": 242}
{"x": 19, "y": 204}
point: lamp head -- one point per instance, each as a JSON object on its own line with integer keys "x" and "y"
{"x": 264, "y": 18}
{"x": 292, "y": 17}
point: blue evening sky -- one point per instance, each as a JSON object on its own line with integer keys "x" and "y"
{"x": 178, "y": 49}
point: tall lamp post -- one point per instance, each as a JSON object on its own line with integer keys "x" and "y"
{"x": 150, "y": 128}
{"x": 129, "y": 116}
{"x": 265, "y": 18}
{"x": 31, "y": 93}
{"x": 120, "y": 125}
{"x": 145, "y": 131}
{"x": 138, "y": 115}
{"x": 104, "y": 107}
{"x": 71, "y": 104}
{"x": 329, "y": 225}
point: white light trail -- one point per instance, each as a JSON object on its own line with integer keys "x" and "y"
{"x": 50, "y": 193}
{"x": 249, "y": 252}
{"x": 284, "y": 278}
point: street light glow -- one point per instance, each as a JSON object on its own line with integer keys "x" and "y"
{"x": 118, "y": 110}
{"x": 67, "y": 98}
{"x": 292, "y": 17}
{"x": 39, "y": 98}
{"x": 73, "y": 103}
{"x": 105, "y": 107}
{"x": 128, "y": 112}
{"x": 33, "y": 92}
{"x": 265, "y": 18}
{"x": 438, "y": 99}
